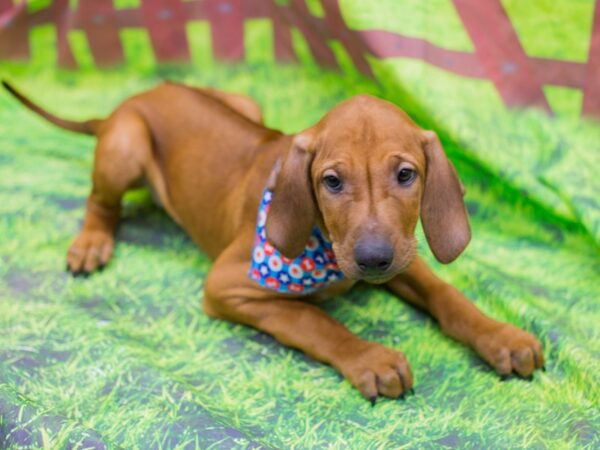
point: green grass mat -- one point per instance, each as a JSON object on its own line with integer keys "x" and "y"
{"x": 127, "y": 359}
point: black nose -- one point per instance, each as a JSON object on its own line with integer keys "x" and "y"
{"x": 373, "y": 255}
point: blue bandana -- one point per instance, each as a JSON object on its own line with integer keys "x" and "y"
{"x": 313, "y": 270}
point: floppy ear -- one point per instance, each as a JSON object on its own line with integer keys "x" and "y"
{"x": 292, "y": 212}
{"x": 443, "y": 211}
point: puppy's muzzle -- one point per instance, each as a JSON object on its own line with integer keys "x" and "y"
{"x": 373, "y": 256}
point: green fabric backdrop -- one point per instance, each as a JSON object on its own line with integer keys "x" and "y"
{"x": 127, "y": 359}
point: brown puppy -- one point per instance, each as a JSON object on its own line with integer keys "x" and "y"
{"x": 363, "y": 175}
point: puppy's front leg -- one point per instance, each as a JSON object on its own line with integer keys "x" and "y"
{"x": 505, "y": 347}
{"x": 370, "y": 367}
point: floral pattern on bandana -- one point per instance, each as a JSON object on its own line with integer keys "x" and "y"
{"x": 313, "y": 270}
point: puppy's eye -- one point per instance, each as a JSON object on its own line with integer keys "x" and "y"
{"x": 406, "y": 176}
{"x": 333, "y": 183}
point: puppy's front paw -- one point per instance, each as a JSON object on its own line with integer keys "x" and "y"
{"x": 375, "y": 370}
{"x": 508, "y": 348}
{"x": 89, "y": 251}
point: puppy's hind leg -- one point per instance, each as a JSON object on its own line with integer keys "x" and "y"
{"x": 123, "y": 146}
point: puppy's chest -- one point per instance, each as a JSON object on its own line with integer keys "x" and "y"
{"x": 333, "y": 290}
{"x": 313, "y": 272}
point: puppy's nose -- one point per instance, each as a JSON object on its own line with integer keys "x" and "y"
{"x": 373, "y": 255}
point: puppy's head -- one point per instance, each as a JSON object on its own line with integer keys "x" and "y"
{"x": 364, "y": 174}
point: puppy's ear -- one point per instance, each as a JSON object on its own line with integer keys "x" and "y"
{"x": 292, "y": 213}
{"x": 443, "y": 211}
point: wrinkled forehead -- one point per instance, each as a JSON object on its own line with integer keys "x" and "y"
{"x": 369, "y": 129}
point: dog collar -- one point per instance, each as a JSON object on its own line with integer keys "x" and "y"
{"x": 312, "y": 271}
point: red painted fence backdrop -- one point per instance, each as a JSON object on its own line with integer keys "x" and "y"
{"x": 499, "y": 55}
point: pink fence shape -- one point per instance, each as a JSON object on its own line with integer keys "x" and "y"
{"x": 499, "y": 55}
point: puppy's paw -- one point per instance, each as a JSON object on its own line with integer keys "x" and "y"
{"x": 90, "y": 250}
{"x": 375, "y": 370}
{"x": 508, "y": 348}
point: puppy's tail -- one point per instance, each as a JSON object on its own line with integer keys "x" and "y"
{"x": 85, "y": 127}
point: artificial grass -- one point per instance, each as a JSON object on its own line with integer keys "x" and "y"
{"x": 127, "y": 357}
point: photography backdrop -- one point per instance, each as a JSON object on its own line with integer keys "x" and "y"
{"x": 127, "y": 359}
